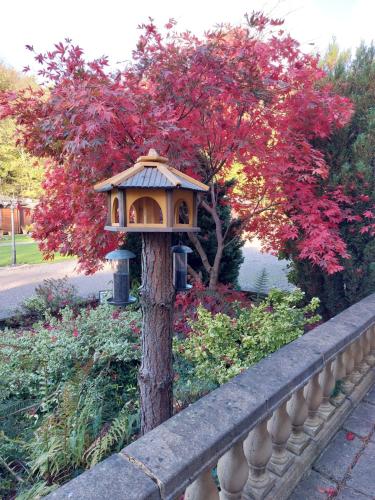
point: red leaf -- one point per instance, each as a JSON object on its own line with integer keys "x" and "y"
{"x": 350, "y": 436}
{"x": 330, "y": 491}
{"x": 256, "y": 102}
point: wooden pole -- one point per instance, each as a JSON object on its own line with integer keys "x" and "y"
{"x": 14, "y": 259}
{"x": 157, "y": 298}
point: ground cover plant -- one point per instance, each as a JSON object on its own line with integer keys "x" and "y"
{"x": 49, "y": 298}
{"x": 68, "y": 384}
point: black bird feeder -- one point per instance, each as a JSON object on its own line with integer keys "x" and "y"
{"x": 119, "y": 260}
{"x": 180, "y": 267}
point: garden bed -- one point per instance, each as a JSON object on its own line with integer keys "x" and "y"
{"x": 68, "y": 382}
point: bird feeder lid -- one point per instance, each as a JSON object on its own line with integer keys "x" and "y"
{"x": 120, "y": 254}
{"x": 181, "y": 249}
{"x": 151, "y": 171}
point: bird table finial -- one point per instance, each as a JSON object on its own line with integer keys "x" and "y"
{"x": 154, "y": 156}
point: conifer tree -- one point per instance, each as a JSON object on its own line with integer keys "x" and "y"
{"x": 350, "y": 153}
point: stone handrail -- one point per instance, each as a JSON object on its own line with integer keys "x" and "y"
{"x": 262, "y": 429}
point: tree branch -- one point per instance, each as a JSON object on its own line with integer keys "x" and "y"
{"x": 196, "y": 276}
{"x": 194, "y": 239}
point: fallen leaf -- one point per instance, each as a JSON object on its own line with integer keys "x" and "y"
{"x": 330, "y": 491}
{"x": 350, "y": 436}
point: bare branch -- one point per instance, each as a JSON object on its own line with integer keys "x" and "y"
{"x": 193, "y": 273}
{"x": 194, "y": 239}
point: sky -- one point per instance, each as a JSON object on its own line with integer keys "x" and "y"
{"x": 109, "y": 27}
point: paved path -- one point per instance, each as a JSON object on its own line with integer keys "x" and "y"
{"x": 19, "y": 282}
{"x": 346, "y": 468}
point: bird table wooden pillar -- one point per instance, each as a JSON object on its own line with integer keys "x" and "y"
{"x": 156, "y": 200}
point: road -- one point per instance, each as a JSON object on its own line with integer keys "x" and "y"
{"x": 19, "y": 282}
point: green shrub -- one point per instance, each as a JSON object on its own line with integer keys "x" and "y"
{"x": 68, "y": 386}
{"x": 68, "y": 394}
{"x": 50, "y": 297}
{"x": 220, "y": 347}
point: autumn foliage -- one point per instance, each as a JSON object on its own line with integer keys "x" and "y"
{"x": 242, "y": 101}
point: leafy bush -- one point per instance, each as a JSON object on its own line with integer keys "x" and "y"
{"x": 220, "y": 346}
{"x": 68, "y": 394}
{"x": 187, "y": 387}
{"x": 68, "y": 385}
{"x": 223, "y": 299}
{"x": 51, "y": 296}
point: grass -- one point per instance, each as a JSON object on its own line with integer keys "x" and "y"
{"x": 26, "y": 253}
{"x": 19, "y": 237}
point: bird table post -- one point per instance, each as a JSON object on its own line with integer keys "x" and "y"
{"x": 156, "y": 200}
{"x": 13, "y": 205}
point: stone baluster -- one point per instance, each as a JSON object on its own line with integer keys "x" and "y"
{"x": 339, "y": 372}
{"x": 364, "y": 367}
{"x": 314, "y": 394}
{"x": 347, "y": 384}
{"x": 370, "y": 334}
{"x": 258, "y": 451}
{"x": 203, "y": 488}
{"x": 356, "y": 375}
{"x": 233, "y": 471}
{"x": 281, "y": 429}
{"x": 327, "y": 380}
{"x": 298, "y": 411}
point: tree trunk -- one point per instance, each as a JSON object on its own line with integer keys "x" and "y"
{"x": 215, "y": 269}
{"x": 157, "y": 298}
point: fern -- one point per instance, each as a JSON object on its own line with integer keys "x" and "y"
{"x": 261, "y": 284}
{"x": 38, "y": 490}
{"x": 62, "y": 397}
{"x": 12, "y": 407}
{"x": 119, "y": 432}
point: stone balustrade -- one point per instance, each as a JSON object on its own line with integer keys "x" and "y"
{"x": 260, "y": 432}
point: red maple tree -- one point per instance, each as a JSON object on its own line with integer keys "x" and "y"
{"x": 241, "y": 101}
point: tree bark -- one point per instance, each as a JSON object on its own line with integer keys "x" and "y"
{"x": 215, "y": 269}
{"x": 157, "y": 298}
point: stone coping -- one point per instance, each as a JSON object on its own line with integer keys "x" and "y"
{"x": 176, "y": 452}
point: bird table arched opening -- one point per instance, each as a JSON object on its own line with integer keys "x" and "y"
{"x": 181, "y": 213}
{"x": 145, "y": 210}
{"x": 115, "y": 212}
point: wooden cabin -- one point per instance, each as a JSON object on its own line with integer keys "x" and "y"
{"x": 22, "y": 215}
